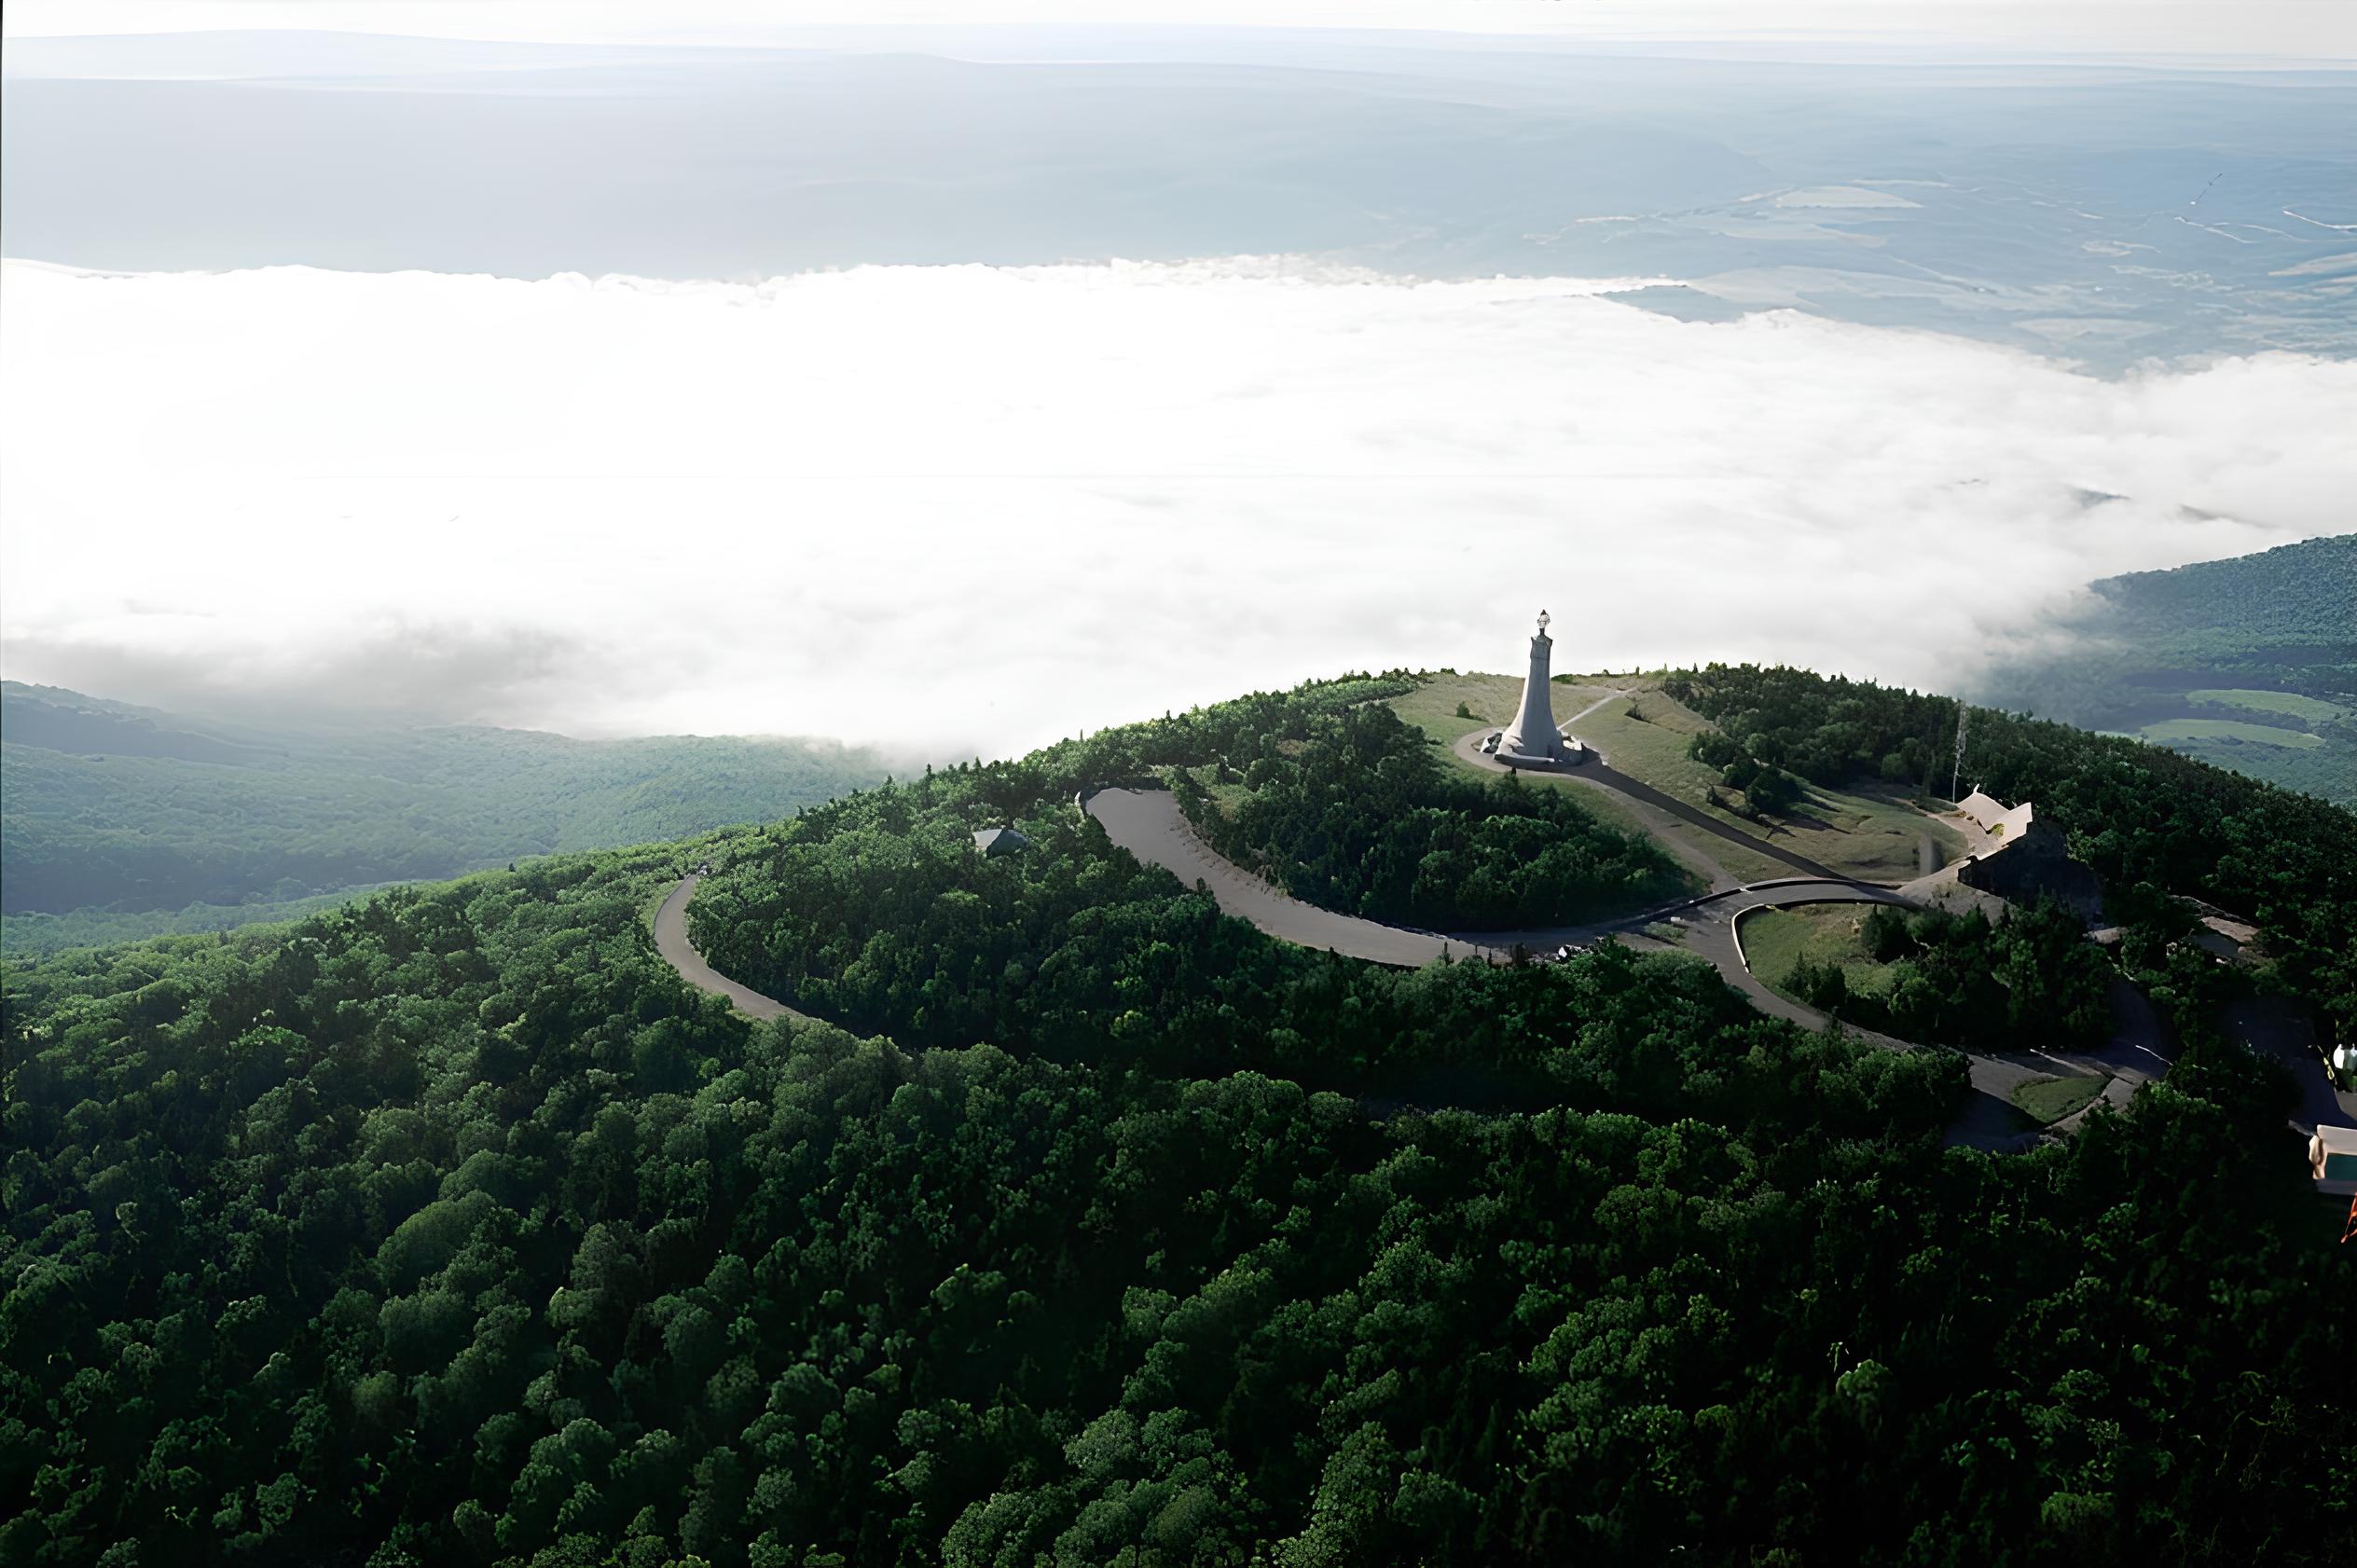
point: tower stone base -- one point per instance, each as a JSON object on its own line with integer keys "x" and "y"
{"x": 1567, "y": 752}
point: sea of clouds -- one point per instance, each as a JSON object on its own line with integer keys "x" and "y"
{"x": 967, "y": 510}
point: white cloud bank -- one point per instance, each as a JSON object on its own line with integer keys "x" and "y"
{"x": 963, "y": 510}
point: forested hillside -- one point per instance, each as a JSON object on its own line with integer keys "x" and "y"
{"x": 119, "y": 821}
{"x": 2249, "y": 663}
{"x": 452, "y": 1228}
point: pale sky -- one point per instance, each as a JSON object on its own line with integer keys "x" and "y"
{"x": 2223, "y": 29}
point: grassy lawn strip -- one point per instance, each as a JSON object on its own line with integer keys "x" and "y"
{"x": 1865, "y": 834}
{"x": 1775, "y": 940}
{"x": 2048, "y": 1100}
{"x": 1870, "y": 838}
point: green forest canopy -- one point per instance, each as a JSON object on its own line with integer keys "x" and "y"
{"x": 453, "y": 1228}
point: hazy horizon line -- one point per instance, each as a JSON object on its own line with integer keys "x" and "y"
{"x": 1765, "y": 46}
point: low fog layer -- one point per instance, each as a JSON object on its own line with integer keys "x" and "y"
{"x": 966, "y": 510}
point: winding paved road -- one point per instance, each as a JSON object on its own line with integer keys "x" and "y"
{"x": 671, "y": 940}
{"x": 1147, "y": 824}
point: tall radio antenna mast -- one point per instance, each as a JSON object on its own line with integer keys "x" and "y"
{"x": 1956, "y": 774}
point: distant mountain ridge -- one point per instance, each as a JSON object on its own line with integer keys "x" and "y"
{"x": 62, "y": 720}
{"x": 2250, "y": 663}
{"x": 2296, "y": 599}
{"x": 121, "y": 822}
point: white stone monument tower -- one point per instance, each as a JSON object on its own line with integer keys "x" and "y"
{"x": 1532, "y": 740}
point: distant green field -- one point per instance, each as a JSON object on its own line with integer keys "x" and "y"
{"x": 2310, "y": 711}
{"x": 2169, "y": 732}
